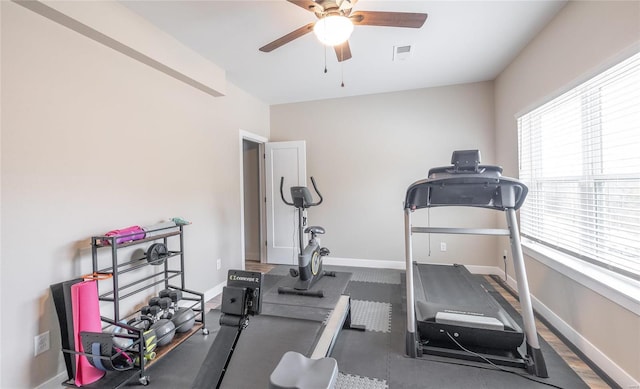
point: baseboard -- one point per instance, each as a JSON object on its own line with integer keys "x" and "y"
{"x": 485, "y": 270}
{"x": 55, "y": 382}
{"x": 213, "y": 292}
{"x": 370, "y": 263}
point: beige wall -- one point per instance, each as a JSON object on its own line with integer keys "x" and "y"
{"x": 93, "y": 140}
{"x": 365, "y": 151}
{"x": 584, "y": 38}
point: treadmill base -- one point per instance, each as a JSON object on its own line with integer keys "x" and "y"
{"x": 497, "y": 357}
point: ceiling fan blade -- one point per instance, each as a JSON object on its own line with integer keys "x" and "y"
{"x": 309, "y": 5}
{"x": 283, "y": 40}
{"x": 343, "y": 51}
{"x": 389, "y": 19}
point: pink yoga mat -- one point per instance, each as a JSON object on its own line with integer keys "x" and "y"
{"x": 86, "y": 317}
{"x": 128, "y": 234}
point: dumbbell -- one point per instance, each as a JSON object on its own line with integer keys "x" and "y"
{"x": 164, "y": 303}
{"x": 183, "y": 318}
{"x": 174, "y": 296}
{"x": 153, "y": 312}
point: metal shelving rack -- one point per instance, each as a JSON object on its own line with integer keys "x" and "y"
{"x": 166, "y": 274}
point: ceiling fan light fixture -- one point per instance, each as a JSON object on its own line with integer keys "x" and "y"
{"x": 333, "y": 30}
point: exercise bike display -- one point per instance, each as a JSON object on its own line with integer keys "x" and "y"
{"x": 309, "y": 269}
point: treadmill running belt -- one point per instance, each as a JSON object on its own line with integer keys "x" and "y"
{"x": 450, "y": 299}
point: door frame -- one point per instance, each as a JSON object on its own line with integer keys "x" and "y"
{"x": 260, "y": 140}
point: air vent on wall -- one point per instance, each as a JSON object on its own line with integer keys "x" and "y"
{"x": 402, "y": 53}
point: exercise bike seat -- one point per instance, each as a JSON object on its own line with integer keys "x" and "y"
{"x": 295, "y": 371}
{"x": 316, "y": 230}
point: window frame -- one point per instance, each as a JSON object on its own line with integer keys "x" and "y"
{"x": 597, "y": 180}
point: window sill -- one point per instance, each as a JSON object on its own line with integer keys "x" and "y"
{"x": 617, "y": 288}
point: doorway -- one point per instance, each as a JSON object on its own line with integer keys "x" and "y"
{"x": 252, "y": 207}
{"x": 260, "y": 162}
{"x": 251, "y": 178}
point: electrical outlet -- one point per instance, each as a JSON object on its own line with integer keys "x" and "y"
{"x": 41, "y": 343}
{"x": 443, "y": 246}
{"x": 219, "y": 264}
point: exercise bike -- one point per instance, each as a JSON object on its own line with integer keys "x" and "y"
{"x": 309, "y": 269}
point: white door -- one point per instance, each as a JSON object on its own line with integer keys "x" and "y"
{"x": 288, "y": 160}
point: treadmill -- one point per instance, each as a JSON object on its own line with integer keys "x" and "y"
{"x": 449, "y": 313}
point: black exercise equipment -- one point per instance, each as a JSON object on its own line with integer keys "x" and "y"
{"x": 310, "y": 258}
{"x": 446, "y": 310}
{"x": 157, "y": 253}
{"x": 240, "y": 298}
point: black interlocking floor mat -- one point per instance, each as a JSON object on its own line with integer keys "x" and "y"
{"x": 382, "y": 355}
{"x": 375, "y": 355}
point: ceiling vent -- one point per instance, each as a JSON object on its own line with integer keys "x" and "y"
{"x": 402, "y": 53}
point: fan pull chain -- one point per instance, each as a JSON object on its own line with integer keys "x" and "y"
{"x": 325, "y": 59}
{"x": 342, "y": 66}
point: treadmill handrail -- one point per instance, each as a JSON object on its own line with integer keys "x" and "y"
{"x": 461, "y": 231}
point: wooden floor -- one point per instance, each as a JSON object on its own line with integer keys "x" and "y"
{"x": 257, "y": 266}
{"x": 578, "y": 365}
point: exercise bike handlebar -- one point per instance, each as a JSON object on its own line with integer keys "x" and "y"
{"x": 282, "y": 194}
{"x": 315, "y": 187}
{"x": 317, "y": 191}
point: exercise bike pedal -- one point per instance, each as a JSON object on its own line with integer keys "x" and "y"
{"x": 294, "y": 272}
{"x": 324, "y": 251}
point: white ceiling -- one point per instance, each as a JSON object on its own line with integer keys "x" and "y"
{"x": 461, "y": 42}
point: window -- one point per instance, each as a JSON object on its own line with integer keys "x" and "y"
{"x": 580, "y": 157}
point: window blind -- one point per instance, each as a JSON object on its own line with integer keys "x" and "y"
{"x": 580, "y": 157}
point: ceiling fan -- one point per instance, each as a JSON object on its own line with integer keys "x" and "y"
{"x": 339, "y": 12}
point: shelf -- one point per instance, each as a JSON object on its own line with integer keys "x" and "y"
{"x": 135, "y": 263}
{"x": 177, "y": 340}
{"x": 158, "y": 275}
{"x": 100, "y": 240}
{"x": 167, "y": 277}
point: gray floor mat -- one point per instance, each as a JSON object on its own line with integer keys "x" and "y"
{"x": 363, "y": 354}
{"x": 373, "y": 315}
{"x": 296, "y": 312}
{"x": 384, "y": 293}
{"x": 382, "y": 355}
{"x": 333, "y": 287}
{"x": 367, "y": 359}
{"x": 348, "y": 381}
{"x": 364, "y": 274}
